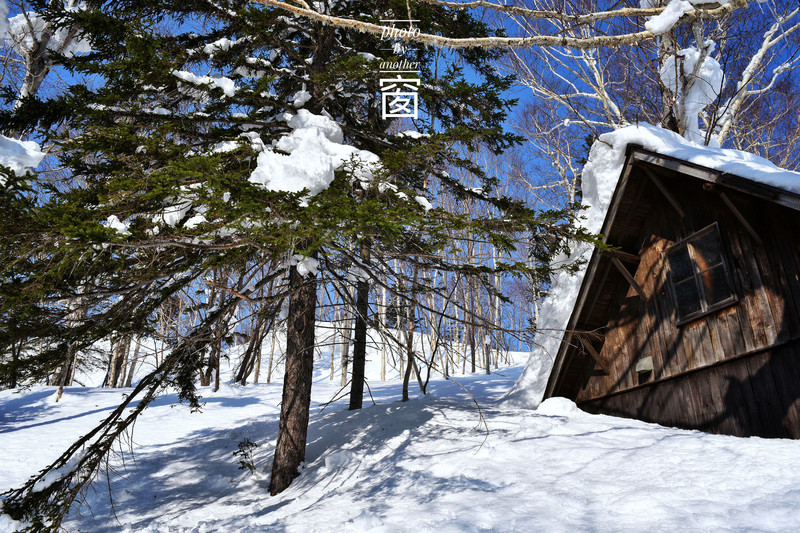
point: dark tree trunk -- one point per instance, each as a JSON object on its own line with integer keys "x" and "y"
{"x": 290, "y": 448}
{"x": 68, "y": 370}
{"x": 409, "y": 319}
{"x": 213, "y": 359}
{"x": 216, "y": 373}
{"x": 253, "y": 350}
{"x": 360, "y": 336}
{"x": 411, "y": 364}
{"x": 472, "y": 327}
{"x": 16, "y": 348}
{"x": 472, "y": 348}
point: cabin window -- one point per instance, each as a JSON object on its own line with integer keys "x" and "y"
{"x": 699, "y": 275}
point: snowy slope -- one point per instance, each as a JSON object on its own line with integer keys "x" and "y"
{"x": 599, "y": 179}
{"x": 426, "y": 465}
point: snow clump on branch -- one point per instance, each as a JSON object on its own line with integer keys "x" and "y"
{"x": 27, "y": 30}
{"x": 19, "y": 156}
{"x": 117, "y": 225}
{"x": 313, "y": 152}
{"x": 664, "y": 21}
{"x": 227, "y": 85}
{"x": 673, "y": 11}
{"x": 695, "y": 78}
{"x": 305, "y": 264}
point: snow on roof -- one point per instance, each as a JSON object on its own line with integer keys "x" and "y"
{"x": 599, "y": 180}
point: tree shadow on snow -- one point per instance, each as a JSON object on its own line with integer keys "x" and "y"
{"x": 198, "y": 480}
{"x": 171, "y": 480}
{"x": 39, "y": 404}
{"x": 371, "y": 457}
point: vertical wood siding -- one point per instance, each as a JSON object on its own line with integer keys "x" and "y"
{"x": 703, "y": 376}
{"x": 750, "y": 395}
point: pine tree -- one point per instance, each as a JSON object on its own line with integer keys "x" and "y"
{"x": 170, "y": 149}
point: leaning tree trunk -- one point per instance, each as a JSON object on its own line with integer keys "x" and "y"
{"x": 134, "y": 360}
{"x": 67, "y": 371}
{"x": 253, "y": 352}
{"x": 290, "y": 448}
{"x": 360, "y": 335}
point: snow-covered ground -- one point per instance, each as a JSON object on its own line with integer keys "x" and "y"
{"x": 433, "y": 463}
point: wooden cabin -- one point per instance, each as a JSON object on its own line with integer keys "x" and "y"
{"x": 692, "y": 320}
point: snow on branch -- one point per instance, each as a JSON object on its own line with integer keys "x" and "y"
{"x": 596, "y": 40}
{"x": 696, "y": 79}
{"x": 307, "y": 158}
{"x": 19, "y": 156}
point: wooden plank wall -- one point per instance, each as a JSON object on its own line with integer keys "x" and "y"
{"x": 767, "y": 282}
{"x": 755, "y": 395}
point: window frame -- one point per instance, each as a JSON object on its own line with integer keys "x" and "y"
{"x": 696, "y": 272}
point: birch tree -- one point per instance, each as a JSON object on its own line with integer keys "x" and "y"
{"x": 728, "y": 81}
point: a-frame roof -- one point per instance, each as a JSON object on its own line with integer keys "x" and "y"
{"x": 605, "y": 282}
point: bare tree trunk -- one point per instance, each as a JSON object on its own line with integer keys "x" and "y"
{"x": 123, "y": 371}
{"x": 205, "y": 377}
{"x": 497, "y": 310}
{"x": 253, "y": 352}
{"x": 381, "y": 325}
{"x": 290, "y": 448}
{"x": 216, "y": 373}
{"x": 68, "y": 371}
{"x": 409, "y": 360}
{"x": 259, "y": 348}
{"x": 487, "y": 353}
{"x": 333, "y": 347}
{"x": 119, "y": 359}
{"x": 271, "y": 359}
{"x": 220, "y": 330}
{"x": 410, "y": 363}
{"x": 213, "y": 359}
{"x": 258, "y": 360}
{"x": 360, "y": 335}
{"x": 134, "y": 360}
{"x": 472, "y": 347}
{"x": 348, "y": 328}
